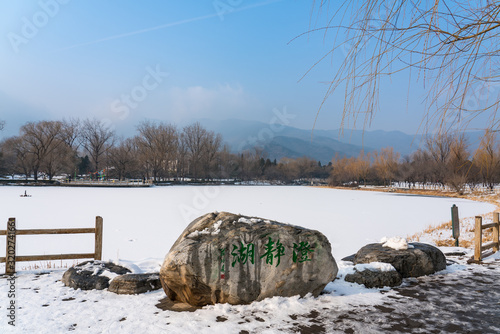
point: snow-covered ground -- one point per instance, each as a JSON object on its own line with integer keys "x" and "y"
{"x": 141, "y": 224}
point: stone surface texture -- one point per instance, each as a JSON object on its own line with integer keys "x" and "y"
{"x": 375, "y": 279}
{"x": 229, "y": 258}
{"x": 132, "y": 284}
{"x": 418, "y": 260}
{"x": 90, "y": 275}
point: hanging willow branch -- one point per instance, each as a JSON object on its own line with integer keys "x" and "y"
{"x": 453, "y": 46}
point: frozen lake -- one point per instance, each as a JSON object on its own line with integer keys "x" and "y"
{"x": 141, "y": 224}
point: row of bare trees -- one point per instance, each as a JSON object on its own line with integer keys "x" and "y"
{"x": 163, "y": 152}
{"x": 158, "y": 152}
{"x": 41, "y": 146}
{"x": 445, "y": 161}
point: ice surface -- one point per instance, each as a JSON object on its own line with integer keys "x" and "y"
{"x": 155, "y": 217}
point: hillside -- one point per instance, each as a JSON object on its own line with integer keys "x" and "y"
{"x": 280, "y": 141}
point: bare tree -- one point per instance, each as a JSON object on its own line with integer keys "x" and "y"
{"x": 212, "y": 147}
{"x": 41, "y": 139}
{"x": 194, "y": 139}
{"x": 343, "y": 171}
{"x": 362, "y": 166}
{"x": 17, "y": 153}
{"x": 96, "y": 139}
{"x": 60, "y": 160}
{"x": 2, "y": 125}
{"x": 451, "y": 46}
{"x": 385, "y": 163}
{"x": 227, "y": 163}
{"x": 123, "y": 158}
{"x": 421, "y": 167}
{"x": 158, "y": 144}
{"x": 70, "y": 134}
{"x": 458, "y": 164}
{"x": 70, "y": 131}
{"x": 182, "y": 159}
{"x": 288, "y": 169}
{"x": 306, "y": 167}
{"x": 487, "y": 159}
{"x": 439, "y": 148}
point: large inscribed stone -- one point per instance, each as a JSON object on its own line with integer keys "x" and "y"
{"x": 228, "y": 258}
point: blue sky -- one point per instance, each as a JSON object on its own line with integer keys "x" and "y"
{"x": 175, "y": 61}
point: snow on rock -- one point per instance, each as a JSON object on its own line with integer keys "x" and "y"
{"x": 249, "y": 220}
{"x": 375, "y": 266}
{"x": 213, "y": 230}
{"x": 397, "y": 243}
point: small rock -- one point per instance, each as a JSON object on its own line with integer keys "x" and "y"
{"x": 132, "y": 284}
{"x": 418, "y": 260}
{"x": 455, "y": 253}
{"x": 349, "y": 258}
{"x": 375, "y": 279}
{"x": 90, "y": 275}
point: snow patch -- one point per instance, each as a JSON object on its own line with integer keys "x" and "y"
{"x": 97, "y": 268}
{"x": 375, "y": 266}
{"x": 397, "y": 243}
{"x": 250, "y": 221}
{"x": 214, "y": 230}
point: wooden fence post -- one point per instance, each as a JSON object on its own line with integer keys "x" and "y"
{"x": 455, "y": 224}
{"x": 496, "y": 230}
{"x": 10, "y": 251}
{"x": 98, "y": 238}
{"x": 478, "y": 238}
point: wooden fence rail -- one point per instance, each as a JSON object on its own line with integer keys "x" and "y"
{"x": 10, "y": 258}
{"x": 478, "y": 242}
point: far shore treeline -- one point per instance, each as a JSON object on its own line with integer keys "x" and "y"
{"x": 162, "y": 152}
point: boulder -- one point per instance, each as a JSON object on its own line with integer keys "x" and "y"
{"x": 235, "y": 259}
{"x": 349, "y": 258}
{"x": 418, "y": 260}
{"x": 132, "y": 284}
{"x": 92, "y": 275}
{"x": 375, "y": 276}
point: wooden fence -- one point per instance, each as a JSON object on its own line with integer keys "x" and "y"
{"x": 10, "y": 258}
{"x": 478, "y": 242}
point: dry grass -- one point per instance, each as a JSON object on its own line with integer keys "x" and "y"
{"x": 441, "y": 235}
{"x": 48, "y": 265}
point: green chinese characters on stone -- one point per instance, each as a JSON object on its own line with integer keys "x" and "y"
{"x": 301, "y": 252}
{"x": 222, "y": 256}
{"x": 243, "y": 253}
{"x": 270, "y": 251}
{"x": 273, "y": 251}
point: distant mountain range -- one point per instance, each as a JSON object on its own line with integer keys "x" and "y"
{"x": 279, "y": 141}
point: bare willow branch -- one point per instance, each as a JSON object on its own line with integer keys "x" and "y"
{"x": 453, "y": 46}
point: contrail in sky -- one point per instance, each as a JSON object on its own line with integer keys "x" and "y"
{"x": 168, "y": 25}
